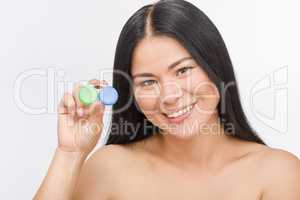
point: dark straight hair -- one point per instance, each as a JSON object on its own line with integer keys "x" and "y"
{"x": 187, "y": 24}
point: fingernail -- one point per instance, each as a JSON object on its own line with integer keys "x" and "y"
{"x": 104, "y": 82}
{"x": 80, "y": 112}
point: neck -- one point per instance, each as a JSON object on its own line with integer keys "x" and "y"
{"x": 208, "y": 147}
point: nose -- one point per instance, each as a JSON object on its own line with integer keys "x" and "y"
{"x": 170, "y": 93}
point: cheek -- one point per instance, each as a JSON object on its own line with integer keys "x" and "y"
{"x": 208, "y": 99}
{"x": 205, "y": 92}
{"x": 149, "y": 107}
{"x": 147, "y": 104}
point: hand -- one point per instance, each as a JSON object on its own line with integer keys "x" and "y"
{"x": 79, "y": 126}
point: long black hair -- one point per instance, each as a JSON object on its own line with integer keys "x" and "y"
{"x": 187, "y": 24}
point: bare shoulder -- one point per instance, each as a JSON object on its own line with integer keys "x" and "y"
{"x": 275, "y": 155}
{"x": 102, "y": 171}
{"x": 279, "y": 160}
{"x": 272, "y": 159}
{"x": 280, "y": 174}
{"x": 111, "y": 153}
{"x": 276, "y": 171}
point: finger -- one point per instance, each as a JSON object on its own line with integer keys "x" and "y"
{"x": 79, "y": 105}
{"x": 96, "y": 108}
{"x": 98, "y": 84}
{"x": 88, "y": 110}
{"x": 67, "y": 104}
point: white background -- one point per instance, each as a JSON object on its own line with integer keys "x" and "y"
{"x": 79, "y": 38}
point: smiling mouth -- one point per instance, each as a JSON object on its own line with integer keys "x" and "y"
{"x": 181, "y": 112}
{"x": 180, "y": 116}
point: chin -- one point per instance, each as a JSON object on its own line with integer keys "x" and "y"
{"x": 181, "y": 132}
{"x": 182, "y": 135}
{"x": 189, "y": 128}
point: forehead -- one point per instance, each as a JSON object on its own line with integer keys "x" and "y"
{"x": 155, "y": 53}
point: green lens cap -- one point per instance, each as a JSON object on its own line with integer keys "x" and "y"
{"x": 87, "y": 94}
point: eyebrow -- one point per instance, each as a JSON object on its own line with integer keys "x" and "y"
{"x": 169, "y": 68}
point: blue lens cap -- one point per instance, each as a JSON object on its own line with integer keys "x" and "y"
{"x": 108, "y": 95}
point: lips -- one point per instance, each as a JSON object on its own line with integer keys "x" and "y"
{"x": 179, "y": 110}
{"x": 180, "y": 117}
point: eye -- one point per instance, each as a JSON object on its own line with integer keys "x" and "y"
{"x": 147, "y": 83}
{"x": 183, "y": 70}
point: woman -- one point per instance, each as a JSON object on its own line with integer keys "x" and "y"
{"x": 189, "y": 137}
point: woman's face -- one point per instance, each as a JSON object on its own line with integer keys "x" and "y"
{"x": 166, "y": 80}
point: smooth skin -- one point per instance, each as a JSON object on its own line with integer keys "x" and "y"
{"x": 181, "y": 163}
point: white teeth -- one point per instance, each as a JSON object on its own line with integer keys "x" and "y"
{"x": 181, "y": 112}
